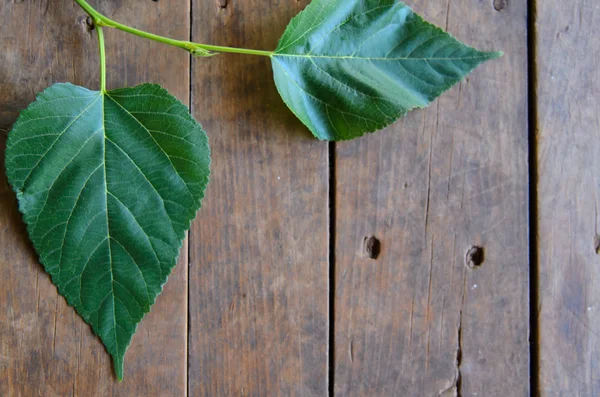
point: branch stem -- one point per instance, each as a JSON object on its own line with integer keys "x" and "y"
{"x": 100, "y": 20}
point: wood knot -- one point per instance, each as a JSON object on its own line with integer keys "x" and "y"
{"x": 86, "y": 23}
{"x": 223, "y": 3}
{"x": 89, "y": 22}
{"x": 500, "y": 5}
{"x": 597, "y": 244}
{"x": 371, "y": 248}
{"x": 475, "y": 257}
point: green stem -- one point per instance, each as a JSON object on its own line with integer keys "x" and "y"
{"x": 101, "y": 20}
{"x": 217, "y": 48}
{"x": 102, "y": 58}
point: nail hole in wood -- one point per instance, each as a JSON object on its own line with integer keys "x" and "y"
{"x": 475, "y": 257}
{"x": 371, "y": 248}
{"x": 500, "y": 5}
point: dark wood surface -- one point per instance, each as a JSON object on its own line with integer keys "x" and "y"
{"x": 397, "y": 264}
{"x": 259, "y": 249}
{"x": 417, "y": 321}
{"x": 568, "y": 242}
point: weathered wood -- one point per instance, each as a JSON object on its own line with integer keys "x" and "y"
{"x": 417, "y": 321}
{"x": 259, "y": 248}
{"x": 568, "y": 124}
{"x": 45, "y": 348}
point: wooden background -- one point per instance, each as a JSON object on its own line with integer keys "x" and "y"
{"x": 274, "y": 294}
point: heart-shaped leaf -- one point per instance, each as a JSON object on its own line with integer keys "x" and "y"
{"x": 108, "y": 184}
{"x": 348, "y": 67}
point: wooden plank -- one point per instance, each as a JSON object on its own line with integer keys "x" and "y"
{"x": 568, "y": 123}
{"x": 259, "y": 249}
{"x": 45, "y": 348}
{"x": 417, "y": 321}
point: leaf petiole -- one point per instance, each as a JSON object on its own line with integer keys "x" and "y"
{"x": 102, "y": 59}
{"x": 194, "y": 48}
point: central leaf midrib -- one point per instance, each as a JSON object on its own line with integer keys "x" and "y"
{"x": 110, "y": 258}
{"x": 482, "y": 57}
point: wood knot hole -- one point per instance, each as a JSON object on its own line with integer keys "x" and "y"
{"x": 86, "y": 22}
{"x": 475, "y": 257}
{"x": 223, "y": 3}
{"x": 89, "y": 23}
{"x": 500, "y": 5}
{"x": 371, "y": 248}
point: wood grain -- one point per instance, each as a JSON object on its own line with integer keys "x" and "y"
{"x": 259, "y": 248}
{"x": 45, "y": 348}
{"x": 568, "y": 125}
{"x": 417, "y": 321}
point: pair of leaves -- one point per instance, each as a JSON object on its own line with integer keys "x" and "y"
{"x": 108, "y": 182}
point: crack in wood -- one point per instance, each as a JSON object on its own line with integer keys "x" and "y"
{"x": 459, "y": 336}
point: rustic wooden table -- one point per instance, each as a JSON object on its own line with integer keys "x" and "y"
{"x": 273, "y": 295}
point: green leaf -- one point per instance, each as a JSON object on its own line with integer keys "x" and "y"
{"x": 348, "y": 67}
{"x": 108, "y": 184}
